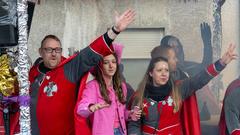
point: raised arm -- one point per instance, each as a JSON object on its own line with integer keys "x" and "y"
{"x": 91, "y": 55}
{"x": 190, "y": 85}
{"x": 207, "y": 44}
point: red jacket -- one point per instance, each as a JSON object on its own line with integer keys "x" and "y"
{"x": 14, "y": 122}
{"x": 56, "y": 95}
{"x": 159, "y": 117}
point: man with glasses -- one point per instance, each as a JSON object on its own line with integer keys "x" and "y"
{"x": 54, "y": 81}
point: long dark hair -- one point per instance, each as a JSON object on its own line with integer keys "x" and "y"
{"x": 117, "y": 84}
{"x": 147, "y": 79}
{"x": 170, "y": 40}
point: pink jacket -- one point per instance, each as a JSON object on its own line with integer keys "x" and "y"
{"x": 102, "y": 120}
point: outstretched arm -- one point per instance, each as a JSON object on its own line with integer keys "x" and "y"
{"x": 91, "y": 55}
{"x": 190, "y": 85}
{"x": 221, "y": 2}
{"x": 193, "y": 68}
{"x": 121, "y": 22}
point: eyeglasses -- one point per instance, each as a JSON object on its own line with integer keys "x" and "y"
{"x": 50, "y": 50}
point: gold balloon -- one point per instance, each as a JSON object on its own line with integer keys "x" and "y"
{"x": 7, "y": 77}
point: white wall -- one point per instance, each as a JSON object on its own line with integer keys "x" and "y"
{"x": 230, "y": 22}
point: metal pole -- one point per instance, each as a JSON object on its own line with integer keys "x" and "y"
{"x": 23, "y": 66}
{"x": 217, "y": 44}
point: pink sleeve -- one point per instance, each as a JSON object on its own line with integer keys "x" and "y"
{"x": 126, "y": 112}
{"x": 89, "y": 97}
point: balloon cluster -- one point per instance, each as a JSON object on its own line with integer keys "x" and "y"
{"x": 8, "y": 78}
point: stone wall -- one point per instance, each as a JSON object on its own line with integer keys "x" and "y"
{"x": 78, "y": 22}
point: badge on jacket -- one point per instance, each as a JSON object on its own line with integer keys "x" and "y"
{"x": 50, "y": 88}
{"x": 170, "y": 101}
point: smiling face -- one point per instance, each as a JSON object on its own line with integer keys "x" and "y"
{"x": 160, "y": 73}
{"x": 109, "y": 65}
{"x": 51, "y": 53}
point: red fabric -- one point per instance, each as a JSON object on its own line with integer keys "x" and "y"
{"x": 81, "y": 124}
{"x": 14, "y": 116}
{"x": 56, "y": 112}
{"x": 169, "y": 122}
{"x": 50, "y": 109}
{"x": 173, "y": 130}
{"x": 222, "y": 123}
{"x": 212, "y": 70}
{"x": 236, "y": 132}
{"x": 14, "y": 124}
{"x": 190, "y": 116}
{"x": 104, "y": 50}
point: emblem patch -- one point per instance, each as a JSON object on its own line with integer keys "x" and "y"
{"x": 163, "y": 102}
{"x": 170, "y": 101}
{"x": 50, "y": 88}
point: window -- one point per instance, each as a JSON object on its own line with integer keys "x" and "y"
{"x": 138, "y": 43}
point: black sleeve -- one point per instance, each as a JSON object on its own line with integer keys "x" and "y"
{"x": 134, "y": 127}
{"x": 194, "y": 68}
{"x": 207, "y": 53}
{"x": 83, "y": 62}
{"x": 190, "y": 85}
{"x": 107, "y": 39}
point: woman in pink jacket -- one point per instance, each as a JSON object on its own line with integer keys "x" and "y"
{"x": 104, "y": 100}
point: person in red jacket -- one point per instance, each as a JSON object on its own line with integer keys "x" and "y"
{"x": 189, "y": 112}
{"x": 161, "y": 98}
{"x": 54, "y": 81}
{"x": 187, "y": 69}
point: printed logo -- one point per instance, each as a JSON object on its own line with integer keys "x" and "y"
{"x": 50, "y": 88}
{"x": 170, "y": 101}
